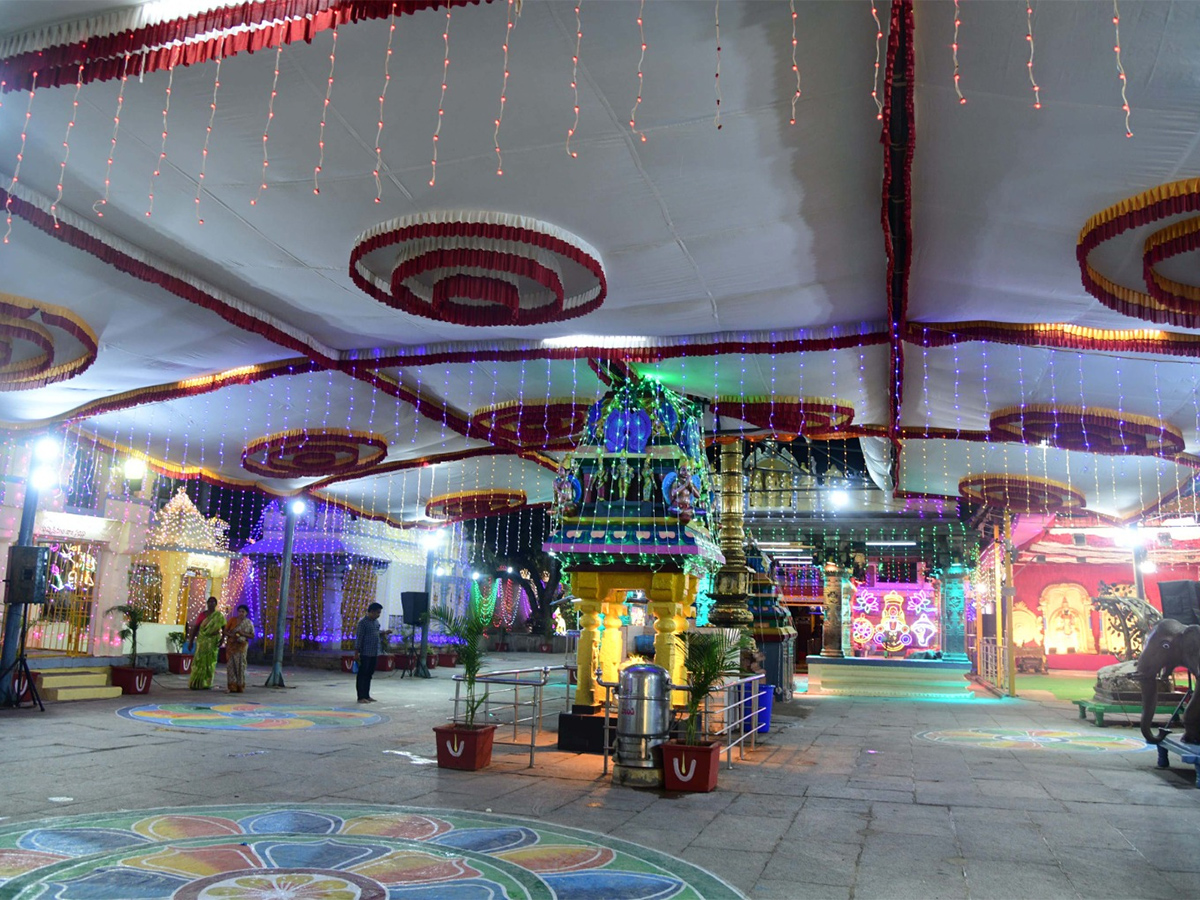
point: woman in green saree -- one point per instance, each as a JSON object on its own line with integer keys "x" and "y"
{"x": 207, "y": 633}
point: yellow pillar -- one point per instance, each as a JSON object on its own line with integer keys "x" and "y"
{"x": 586, "y": 586}
{"x": 612, "y": 648}
{"x": 172, "y": 566}
{"x": 671, "y": 596}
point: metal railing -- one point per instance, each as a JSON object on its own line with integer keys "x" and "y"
{"x": 737, "y": 714}
{"x": 516, "y": 698}
{"x": 992, "y": 669}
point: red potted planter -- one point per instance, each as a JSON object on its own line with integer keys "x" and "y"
{"x": 132, "y": 680}
{"x": 460, "y": 747}
{"x": 402, "y": 661}
{"x": 180, "y": 663}
{"x": 347, "y": 662}
{"x": 449, "y": 659}
{"x": 689, "y": 767}
{"x": 385, "y": 663}
{"x": 431, "y": 660}
{"x": 546, "y": 648}
{"x": 501, "y": 648}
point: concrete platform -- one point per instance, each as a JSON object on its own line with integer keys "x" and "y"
{"x": 846, "y": 797}
{"x": 75, "y": 683}
{"x": 918, "y": 678}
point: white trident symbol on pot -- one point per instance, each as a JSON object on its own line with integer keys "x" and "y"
{"x": 691, "y": 769}
{"x": 456, "y": 749}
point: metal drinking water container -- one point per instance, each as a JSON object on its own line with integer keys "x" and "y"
{"x": 644, "y": 714}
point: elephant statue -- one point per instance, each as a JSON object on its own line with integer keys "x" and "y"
{"x": 1169, "y": 645}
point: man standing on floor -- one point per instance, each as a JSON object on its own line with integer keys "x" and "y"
{"x": 368, "y": 642}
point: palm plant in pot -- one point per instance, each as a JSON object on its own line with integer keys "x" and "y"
{"x": 709, "y": 658}
{"x": 462, "y": 744}
{"x": 131, "y": 679}
{"x": 178, "y": 662}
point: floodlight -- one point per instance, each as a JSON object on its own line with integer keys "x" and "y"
{"x": 135, "y": 469}
{"x": 43, "y": 478}
{"x": 1147, "y": 567}
{"x": 839, "y": 498}
{"x": 47, "y": 449}
{"x": 297, "y": 507}
{"x": 432, "y": 540}
{"x": 474, "y": 576}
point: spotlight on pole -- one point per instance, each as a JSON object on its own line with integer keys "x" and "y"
{"x": 1148, "y": 567}
{"x": 47, "y": 449}
{"x": 432, "y": 540}
{"x": 839, "y": 498}
{"x": 43, "y": 478}
{"x": 297, "y": 507}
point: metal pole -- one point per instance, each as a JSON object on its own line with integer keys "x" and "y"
{"x": 422, "y": 670}
{"x": 1010, "y": 595}
{"x": 275, "y": 679}
{"x": 1139, "y": 582}
{"x": 13, "y": 611}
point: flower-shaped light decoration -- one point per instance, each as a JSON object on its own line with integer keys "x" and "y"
{"x": 1094, "y": 430}
{"x": 479, "y": 268}
{"x": 1020, "y": 493}
{"x": 313, "y": 453}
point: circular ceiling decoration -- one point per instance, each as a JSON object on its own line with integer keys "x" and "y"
{"x": 1020, "y": 493}
{"x": 32, "y": 337}
{"x": 474, "y": 504}
{"x": 552, "y": 424}
{"x": 313, "y": 453}
{"x": 1164, "y": 301}
{"x": 1093, "y": 430}
{"x": 811, "y": 416}
{"x": 479, "y": 268}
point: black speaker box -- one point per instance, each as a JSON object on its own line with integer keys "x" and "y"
{"x": 1180, "y": 601}
{"x": 27, "y": 568}
{"x": 416, "y": 606}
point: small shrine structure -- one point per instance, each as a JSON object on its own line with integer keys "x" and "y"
{"x": 631, "y": 513}
{"x": 773, "y": 629}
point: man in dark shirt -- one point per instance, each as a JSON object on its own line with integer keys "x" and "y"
{"x": 368, "y": 643}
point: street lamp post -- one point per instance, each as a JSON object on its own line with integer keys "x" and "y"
{"x": 43, "y": 475}
{"x": 293, "y": 510}
{"x": 432, "y": 542}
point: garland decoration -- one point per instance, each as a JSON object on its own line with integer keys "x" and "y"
{"x": 809, "y": 416}
{"x": 1093, "y": 430}
{"x": 1020, "y": 493}
{"x": 479, "y": 268}
{"x": 313, "y": 453}
{"x": 474, "y": 504}
{"x": 553, "y": 424}
{"x": 485, "y": 604}
{"x": 27, "y": 347}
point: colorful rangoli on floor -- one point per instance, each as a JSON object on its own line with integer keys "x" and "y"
{"x": 239, "y": 715}
{"x": 333, "y": 852}
{"x": 1035, "y": 739}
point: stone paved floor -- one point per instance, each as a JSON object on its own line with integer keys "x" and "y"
{"x": 843, "y": 799}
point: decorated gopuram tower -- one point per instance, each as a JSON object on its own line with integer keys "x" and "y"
{"x": 631, "y": 513}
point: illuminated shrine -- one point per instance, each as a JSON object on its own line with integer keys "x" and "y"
{"x": 631, "y": 513}
{"x": 772, "y": 629}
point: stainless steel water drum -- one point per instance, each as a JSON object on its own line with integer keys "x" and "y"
{"x": 644, "y": 713}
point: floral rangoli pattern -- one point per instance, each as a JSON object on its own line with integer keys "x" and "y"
{"x": 1035, "y": 739}
{"x": 239, "y": 716}
{"x": 333, "y": 852}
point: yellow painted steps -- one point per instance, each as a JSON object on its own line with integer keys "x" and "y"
{"x": 82, "y": 683}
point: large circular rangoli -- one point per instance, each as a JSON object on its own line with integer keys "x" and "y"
{"x": 333, "y": 852}
{"x": 1035, "y": 739}
{"x": 242, "y": 716}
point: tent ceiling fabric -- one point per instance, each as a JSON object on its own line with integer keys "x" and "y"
{"x": 745, "y": 261}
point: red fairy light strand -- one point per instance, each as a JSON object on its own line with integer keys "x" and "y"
{"x": 1037, "y": 92}
{"x": 442, "y": 99}
{"x": 717, "y": 77}
{"x": 575, "y": 80}
{"x": 20, "y": 158}
{"x": 267, "y": 127}
{"x": 387, "y": 79}
{"x": 503, "y": 92}
{"x": 98, "y": 206}
{"x": 212, "y": 115}
{"x": 637, "y": 104}
{"x": 795, "y": 65}
{"x": 324, "y": 117}
{"x": 1121, "y": 68}
{"x": 162, "y": 151}
{"x": 954, "y": 48}
{"x": 62, "y": 166}
{"x": 878, "y": 57}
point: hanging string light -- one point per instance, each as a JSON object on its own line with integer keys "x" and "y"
{"x": 387, "y": 78}
{"x": 98, "y": 206}
{"x": 20, "y": 158}
{"x": 878, "y": 58}
{"x": 503, "y": 92}
{"x": 795, "y": 65}
{"x": 575, "y": 79}
{"x": 637, "y": 104}
{"x": 267, "y": 127}
{"x": 162, "y": 150}
{"x": 717, "y": 81}
{"x": 1121, "y": 68}
{"x": 212, "y": 115}
{"x": 954, "y": 49}
{"x": 442, "y": 99}
{"x": 1037, "y": 94}
{"x": 325, "y": 116}
{"x": 62, "y": 166}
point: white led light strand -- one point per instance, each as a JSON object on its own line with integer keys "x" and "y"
{"x": 503, "y": 92}
{"x": 954, "y": 49}
{"x": 717, "y": 77}
{"x": 20, "y": 158}
{"x": 878, "y": 57}
{"x": 212, "y": 115}
{"x": 441, "y": 100}
{"x": 1120, "y": 67}
{"x": 795, "y": 65}
{"x": 324, "y": 117}
{"x": 267, "y": 127}
{"x": 637, "y": 104}
{"x": 575, "y": 79}
{"x": 162, "y": 150}
{"x": 1037, "y": 93}
{"x": 98, "y": 206}
{"x": 387, "y": 79}
{"x": 62, "y": 166}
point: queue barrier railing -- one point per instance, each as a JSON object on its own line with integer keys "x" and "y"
{"x": 514, "y": 698}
